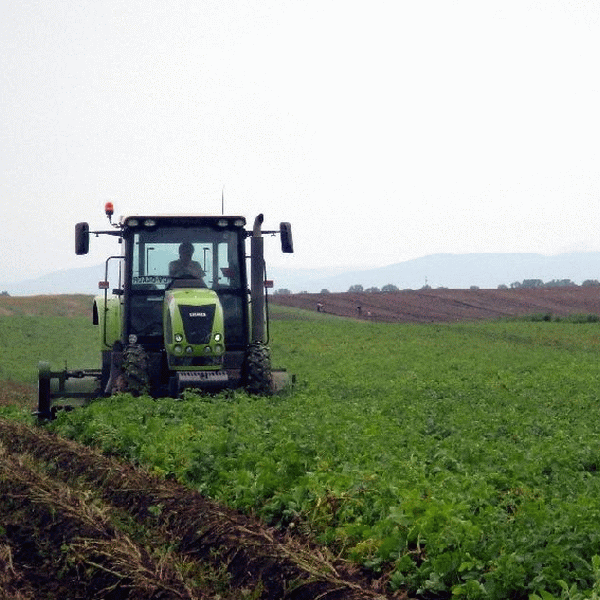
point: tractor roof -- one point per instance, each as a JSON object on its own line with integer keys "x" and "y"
{"x": 183, "y": 220}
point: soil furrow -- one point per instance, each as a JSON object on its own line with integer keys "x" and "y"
{"x": 253, "y": 556}
{"x": 13, "y": 583}
{"x": 70, "y": 534}
{"x": 444, "y": 305}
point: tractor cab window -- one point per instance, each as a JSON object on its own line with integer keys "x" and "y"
{"x": 206, "y": 255}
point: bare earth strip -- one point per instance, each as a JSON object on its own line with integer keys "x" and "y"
{"x": 72, "y": 528}
{"x": 54, "y": 530}
{"x": 65, "y": 305}
{"x": 14, "y": 393}
{"x": 426, "y": 306}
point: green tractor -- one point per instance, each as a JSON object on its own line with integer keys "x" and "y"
{"x": 182, "y": 315}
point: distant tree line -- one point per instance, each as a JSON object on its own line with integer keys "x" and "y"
{"x": 390, "y": 287}
{"x": 538, "y": 283}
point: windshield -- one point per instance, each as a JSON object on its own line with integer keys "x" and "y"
{"x": 206, "y": 255}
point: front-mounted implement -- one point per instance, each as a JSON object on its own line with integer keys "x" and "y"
{"x": 181, "y": 315}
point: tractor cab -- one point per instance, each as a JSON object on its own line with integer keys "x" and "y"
{"x": 204, "y": 256}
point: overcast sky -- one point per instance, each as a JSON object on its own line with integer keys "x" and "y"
{"x": 383, "y": 131}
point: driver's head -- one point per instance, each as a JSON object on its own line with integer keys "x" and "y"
{"x": 186, "y": 250}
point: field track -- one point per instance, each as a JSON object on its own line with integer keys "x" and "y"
{"x": 77, "y": 524}
{"x": 426, "y": 306}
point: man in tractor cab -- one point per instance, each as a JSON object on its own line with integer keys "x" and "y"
{"x": 185, "y": 266}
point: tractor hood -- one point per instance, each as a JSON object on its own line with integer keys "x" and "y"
{"x": 193, "y": 329}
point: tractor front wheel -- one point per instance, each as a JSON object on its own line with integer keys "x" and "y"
{"x": 134, "y": 377}
{"x": 256, "y": 372}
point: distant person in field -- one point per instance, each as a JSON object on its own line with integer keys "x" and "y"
{"x": 185, "y": 266}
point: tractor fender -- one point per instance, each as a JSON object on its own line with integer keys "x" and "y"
{"x": 107, "y": 315}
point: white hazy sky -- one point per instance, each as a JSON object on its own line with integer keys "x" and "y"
{"x": 383, "y": 130}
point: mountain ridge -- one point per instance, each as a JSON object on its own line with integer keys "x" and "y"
{"x": 456, "y": 271}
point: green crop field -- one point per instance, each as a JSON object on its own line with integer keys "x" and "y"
{"x": 26, "y": 340}
{"x": 458, "y": 459}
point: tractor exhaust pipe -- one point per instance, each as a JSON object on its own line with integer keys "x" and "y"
{"x": 257, "y": 282}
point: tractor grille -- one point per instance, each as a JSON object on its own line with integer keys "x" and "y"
{"x": 196, "y": 361}
{"x": 198, "y": 322}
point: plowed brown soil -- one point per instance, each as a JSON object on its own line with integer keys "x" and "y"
{"x": 66, "y": 305}
{"x": 77, "y": 524}
{"x": 424, "y": 306}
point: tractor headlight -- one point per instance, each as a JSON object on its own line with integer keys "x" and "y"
{"x": 218, "y": 349}
{"x": 178, "y": 338}
{"x": 217, "y": 337}
{"x": 189, "y": 350}
{"x": 207, "y": 350}
{"x": 178, "y": 349}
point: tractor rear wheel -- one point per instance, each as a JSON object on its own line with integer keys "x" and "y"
{"x": 134, "y": 377}
{"x": 256, "y": 371}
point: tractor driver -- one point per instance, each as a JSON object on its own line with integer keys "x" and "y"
{"x": 185, "y": 266}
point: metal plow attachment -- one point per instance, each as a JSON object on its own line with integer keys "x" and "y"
{"x": 74, "y": 388}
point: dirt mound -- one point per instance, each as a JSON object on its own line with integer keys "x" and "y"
{"x": 444, "y": 305}
{"x": 77, "y": 524}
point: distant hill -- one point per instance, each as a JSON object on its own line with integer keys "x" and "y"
{"x": 455, "y": 271}
{"x": 67, "y": 281}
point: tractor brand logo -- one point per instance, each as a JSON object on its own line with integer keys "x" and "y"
{"x": 198, "y": 314}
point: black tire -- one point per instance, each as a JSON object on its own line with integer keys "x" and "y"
{"x": 256, "y": 371}
{"x": 44, "y": 396}
{"x": 134, "y": 377}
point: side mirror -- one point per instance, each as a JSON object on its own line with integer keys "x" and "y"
{"x": 287, "y": 244}
{"x": 82, "y": 238}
